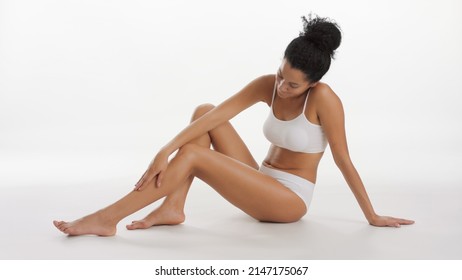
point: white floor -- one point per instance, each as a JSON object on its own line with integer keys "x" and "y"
{"x": 64, "y": 187}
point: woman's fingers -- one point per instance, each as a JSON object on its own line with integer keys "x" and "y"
{"x": 145, "y": 178}
{"x": 139, "y": 184}
{"x": 142, "y": 185}
{"x": 396, "y": 222}
{"x": 154, "y": 172}
{"x": 160, "y": 176}
{"x": 391, "y": 222}
{"x": 148, "y": 178}
{"x": 405, "y": 222}
{"x": 140, "y": 181}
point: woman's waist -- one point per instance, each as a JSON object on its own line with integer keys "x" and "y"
{"x": 285, "y": 176}
{"x": 302, "y": 165}
{"x": 305, "y": 173}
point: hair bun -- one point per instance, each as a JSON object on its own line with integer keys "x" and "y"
{"x": 322, "y": 33}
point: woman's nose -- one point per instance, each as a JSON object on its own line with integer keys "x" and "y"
{"x": 282, "y": 86}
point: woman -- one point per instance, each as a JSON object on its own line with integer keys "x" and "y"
{"x": 305, "y": 115}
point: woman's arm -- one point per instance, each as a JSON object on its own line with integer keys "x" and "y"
{"x": 330, "y": 111}
{"x": 254, "y": 92}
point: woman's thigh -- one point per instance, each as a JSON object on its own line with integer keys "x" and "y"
{"x": 255, "y": 193}
{"x": 225, "y": 139}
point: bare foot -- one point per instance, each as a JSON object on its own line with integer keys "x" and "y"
{"x": 91, "y": 224}
{"x": 160, "y": 216}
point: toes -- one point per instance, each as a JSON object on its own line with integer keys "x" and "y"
{"x": 132, "y": 226}
{"x": 62, "y": 225}
{"x": 58, "y": 223}
{"x": 137, "y": 225}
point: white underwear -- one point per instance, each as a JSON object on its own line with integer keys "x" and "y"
{"x": 300, "y": 186}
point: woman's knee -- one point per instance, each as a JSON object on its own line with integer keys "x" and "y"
{"x": 189, "y": 152}
{"x": 202, "y": 110}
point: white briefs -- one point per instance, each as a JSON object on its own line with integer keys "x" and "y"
{"x": 300, "y": 186}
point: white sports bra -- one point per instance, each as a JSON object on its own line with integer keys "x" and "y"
{"x": 297, "y": 135}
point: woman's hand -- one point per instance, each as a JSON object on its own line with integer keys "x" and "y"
{"x": 385, "y": 221}
{"x": 155, "y": 171}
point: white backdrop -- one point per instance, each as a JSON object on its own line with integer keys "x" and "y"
{"x": 90, "y": 90}
{"x": 120, "y": 78}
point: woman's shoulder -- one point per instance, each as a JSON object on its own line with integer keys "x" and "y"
{"x": 266, "y": 81}
{"x": 263, "y": 82}
{"x": 322, "y": 89}
{"x": 263, "y": 86}
{"x": 322, "y": 93}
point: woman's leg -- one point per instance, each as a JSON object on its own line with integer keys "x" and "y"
{"x": 225, "y": 140}
{"x": 258, "y": 195}
{"x": 104, "y": 221}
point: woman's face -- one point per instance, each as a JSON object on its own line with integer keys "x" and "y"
{"x": 291, "y": 82}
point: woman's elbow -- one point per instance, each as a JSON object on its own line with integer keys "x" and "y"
{"x": 342, "y": 159}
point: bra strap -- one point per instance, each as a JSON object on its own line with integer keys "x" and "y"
{"x": 274, "y": 92}
{"x": 306, "y": 100}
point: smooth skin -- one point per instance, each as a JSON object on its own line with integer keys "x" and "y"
{"x": 230, "y": 168}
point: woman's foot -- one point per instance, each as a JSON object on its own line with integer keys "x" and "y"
{"x": 160, "y": 216}
{"x": 91, "y": 224}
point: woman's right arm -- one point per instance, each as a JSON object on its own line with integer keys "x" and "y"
{"x": 255, "y": 91}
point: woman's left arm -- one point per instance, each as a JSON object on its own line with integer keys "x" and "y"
{"x": 330, "y": 112}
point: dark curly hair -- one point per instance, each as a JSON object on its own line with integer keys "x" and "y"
{"x": 312, "y": 51}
